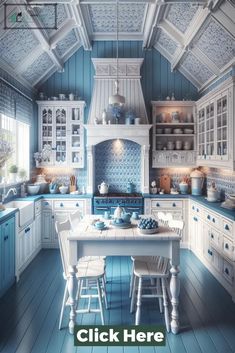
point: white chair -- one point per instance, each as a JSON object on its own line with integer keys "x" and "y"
{"x": 86, "y": 271}
{"x": 156, "y": 268}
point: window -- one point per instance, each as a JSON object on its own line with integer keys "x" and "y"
{"x": 16, "y": 133}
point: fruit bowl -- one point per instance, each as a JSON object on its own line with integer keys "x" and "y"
{"x": 148, "y": 231}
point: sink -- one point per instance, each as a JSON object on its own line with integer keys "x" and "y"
{"x": 26, "y": 211}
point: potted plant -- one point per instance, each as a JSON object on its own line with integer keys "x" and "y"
{"x": 22, "y": 174}
{"x": 13, "y": 173}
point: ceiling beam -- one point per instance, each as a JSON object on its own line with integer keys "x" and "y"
{"x": 76, "y": 13}
{"x": 225, "y": 21}
{"x": 41, "y": 36}
{"x": 205, "y": 60}
{"x": 62, "y": 32}
{"x": 154, "y": 15}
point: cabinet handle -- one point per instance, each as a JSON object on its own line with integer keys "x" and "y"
{"x": 226, "y": 246}
{"x": 52, "y": 217}
{"x": 5, "y": 238}
{"x": 213, "y": 220}
{"x": 197, "y": 210}
{"x": 77, "y": 204}
{"x": 193, "y": 208}
{"x": 173, "y": 205}
{"x": 208, "y": 217}
{"x": 226, "y": 227}
{"x": 195, "y": 219}
{"x": 157, "y": 204}
{"x": 61, "y": 205}
{"x": 212, "y": 236}
{"x": 210, "y": 252}
{"x": 226, "y": 271}
{"x": 46, "y": 203}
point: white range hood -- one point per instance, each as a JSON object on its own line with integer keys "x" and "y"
{"x": 130, "y": 87}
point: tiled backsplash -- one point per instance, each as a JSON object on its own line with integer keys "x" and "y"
{"x": 224, "y": 180}
{"x": 116, "y": 163}
{"x": 176, "y": 174}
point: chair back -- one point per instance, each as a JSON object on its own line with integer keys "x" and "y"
{"x": 162, "y": 263}
{"x": 63, "y": 230}
{"x": 162, "y": 218}
{"x": 177, "y": 226}
{"x": 74, "y": 219}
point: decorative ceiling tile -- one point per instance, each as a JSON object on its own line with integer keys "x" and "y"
{"x": 216, "y": 43}
{"x": 180, "y": 15}
{"x": 196, "y": 68}
{"x": 103, "y": 17}
{"x": 66, "y": 43}
{"x": 16, "y": 45}
{"x": 166, "y": 42}
{"x": 49, "y": 13}
{"x": 38, "y": 68}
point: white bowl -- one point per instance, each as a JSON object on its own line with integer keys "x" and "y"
{"x": 33, "y": 189}
{"x": 148, "y": 231}
{"x": 63, "y": 189}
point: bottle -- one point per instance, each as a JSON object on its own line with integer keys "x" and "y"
{"x": 23, "y": 190}
{"x": 173, "y": 97}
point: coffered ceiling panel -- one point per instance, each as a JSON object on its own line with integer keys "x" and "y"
{"x": 166, "y": 42}
{"x": 195, "y": 68}
{"x": 38, "y": 68}
{"x": 180, "y": 15}
{"x": 50, "y": 15}
{"x": 16, "y": 45}
{"x": 103, "y": 17}
{"x": 216, "y": 43}
{"x": 65, "y": 44}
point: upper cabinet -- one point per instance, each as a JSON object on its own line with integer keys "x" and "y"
{"x": 215, "y": 119}
{"x": 174, "y": 134}
{"x": 61, "y": 133}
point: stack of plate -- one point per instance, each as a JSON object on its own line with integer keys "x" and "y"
{"x": 229, "y": 202}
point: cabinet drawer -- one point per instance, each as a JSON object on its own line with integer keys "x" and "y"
{"x": 195, "y": 208}
{"x": 68, "y": 204}
{"x": 47, "y": 204}
{"x": 212, "y": 218}
{"x": 214, "y": 237}
{"x": 227, "y": 271}
{"x": 38, "y": 207}
{"x": 163, "y": 204}
{"x": 228, "y": 247}
{"x": 227, "y": 227}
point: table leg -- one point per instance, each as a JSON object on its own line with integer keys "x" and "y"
{"x": 72, "y": 297}
{"x": 175, "y": 291}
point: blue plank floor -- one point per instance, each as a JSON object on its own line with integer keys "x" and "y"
{"x": 29, "y": 312}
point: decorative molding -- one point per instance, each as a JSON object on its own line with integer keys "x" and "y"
{"x": 108, "y": 67}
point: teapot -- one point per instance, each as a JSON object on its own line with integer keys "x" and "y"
{"x": 103, "y": 188}
{"x": 118, "y": 212}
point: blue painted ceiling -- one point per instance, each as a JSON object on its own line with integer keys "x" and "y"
{"x": 197, "y": 37}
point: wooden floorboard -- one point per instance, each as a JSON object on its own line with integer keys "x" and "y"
{"x": 29, "y": 312}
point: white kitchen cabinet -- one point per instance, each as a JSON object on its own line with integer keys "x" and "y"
{"x": 212, "y": 239}
{"x": 216, "y": 128}
{"x": 177, "y": 207}
{"x": 61, "y": 133}
{"x": 173, "y": 121}
{"x": 58, "y": 210}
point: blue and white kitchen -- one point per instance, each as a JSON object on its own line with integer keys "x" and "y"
{"x": 117, "y": 173}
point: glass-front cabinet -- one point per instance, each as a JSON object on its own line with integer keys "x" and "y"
{"x": 61, "y": 133}
{"x": 216, "y": 127}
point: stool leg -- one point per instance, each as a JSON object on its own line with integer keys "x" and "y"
{"x": 100, "y": 301}
{"x": 133, "y": 293}
{"x": 159, "y": 292}
{"x": 138, "y": 304}
{"x": 165, "y": 303}
{"x": 104, "y": 292}
{"x": 63, "y": 304}
{"x": 132, "y": 280}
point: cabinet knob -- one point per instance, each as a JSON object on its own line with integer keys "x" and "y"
{"x": 226, "y": 246}
{"x": 193, "y": 208}
{"x": 52, "y": 216}
{"x": 210, "y": 252}
{"x": 46, "y": 203}
{"x": 197, "y": 210}
{"x": 157, "y": 204}
{"x": 226, "y": 271}
{"x": 212, "y": 236}
{"x": 226, "y": 227}
{"x": 195, "y": 219}
{"x": 6, "y": 224}
{"x": 213, "y": 220}
{"x": 77, "y": 204}
{"x": 61, "y": 205}
{"x": 208, "y": 217}
{"x": 173, "y": 205}
{"x": 6, "y": 237}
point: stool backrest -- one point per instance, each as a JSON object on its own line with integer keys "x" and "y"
{"x": 63, "y": 230}
{"x": 74, "y": 219}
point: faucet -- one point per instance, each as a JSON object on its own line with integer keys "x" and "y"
{"x": 5, "y": 196}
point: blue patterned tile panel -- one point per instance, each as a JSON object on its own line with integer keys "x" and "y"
{"x": 66, "y": 43}
{"x": 116, "y": 163}
{"x": 181, "y": 15}
{"x": 38, "y": 68}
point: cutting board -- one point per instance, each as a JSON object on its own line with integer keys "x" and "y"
{"x": 165, "y": 183}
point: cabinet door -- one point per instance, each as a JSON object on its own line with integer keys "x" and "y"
{"x": 47, "y": 226}
{"x": 46, "y": 134}
{"x": 7, "y": 253}
{"x": 195, "y": 229}
{"x": 21, "y": 249}
{"x": 222, "y": 144}
{"x": 201, "y": 133}
{"x": 210, "y": 130}
{"x": 61, "y": 132}
{"x": 28, "y": 242}
{"x": 76, "y": 149}
{"x": 37, "y": 229}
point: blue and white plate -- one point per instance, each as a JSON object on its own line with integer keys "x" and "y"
{"x": 121, "y": 225}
